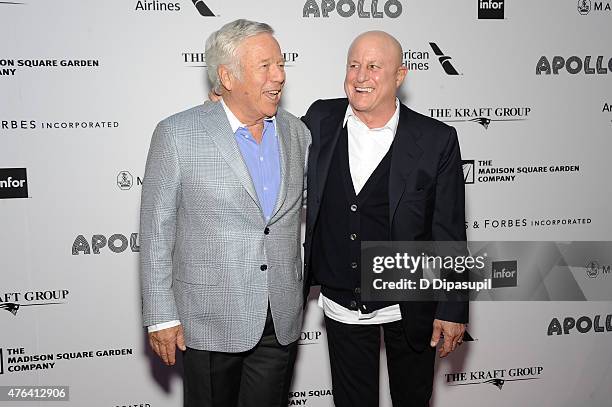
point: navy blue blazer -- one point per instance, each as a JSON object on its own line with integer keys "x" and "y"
{"x": 426, "y": 195}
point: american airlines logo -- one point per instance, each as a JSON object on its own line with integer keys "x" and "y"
{"x": 203, "y": 9}
{"x": 444, "y": 60}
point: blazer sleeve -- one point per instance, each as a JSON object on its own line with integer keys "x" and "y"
{"x": 448, "y": 222}
{"x": 158, "y": 214}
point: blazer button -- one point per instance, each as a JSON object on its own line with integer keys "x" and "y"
{"x": 353, "y": 305}
{"x": 354, "y": 265}
{"x": 353, "y": 236}
{"x": 358, "y": 291}
{"x": 266, "y": 231}
{"x": 353, "y": 208}
{"x": 263, "y": 267}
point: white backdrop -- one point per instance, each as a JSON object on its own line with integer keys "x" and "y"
{"x": 82, "y": 134}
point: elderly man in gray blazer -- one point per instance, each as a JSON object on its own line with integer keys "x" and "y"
{"x": 221, "y": 266}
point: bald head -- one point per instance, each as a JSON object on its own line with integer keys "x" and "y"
{"x": 374, "y": 72}
{"x": 380, "y": 40}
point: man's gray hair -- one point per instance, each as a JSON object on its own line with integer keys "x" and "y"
{"x": 222, "y": 44}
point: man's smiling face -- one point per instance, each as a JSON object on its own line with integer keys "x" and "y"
{"x": 262, "y": 76}
{"x": 373, "y": 73}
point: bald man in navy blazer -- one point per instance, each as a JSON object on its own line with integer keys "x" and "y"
{"x": 380, "y": 171}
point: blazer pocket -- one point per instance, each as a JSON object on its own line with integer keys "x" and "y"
{"x": 198, "y": 273}
{"x": 417, "y": 195}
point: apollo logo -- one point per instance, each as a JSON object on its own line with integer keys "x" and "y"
{"x": 348, "y": 8}
{"x": 116, "y": 243}
{"x": 13, "y": 183}
{"x": 582, "y": 324}
{"x": 573, "y": 65}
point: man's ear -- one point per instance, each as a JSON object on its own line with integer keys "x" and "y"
{"x": 401, "y": 75}
{"x": 226, "y": 77}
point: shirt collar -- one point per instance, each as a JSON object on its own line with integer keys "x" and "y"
{"x": 391, "y": 124}
{"x": 235, "y": 124}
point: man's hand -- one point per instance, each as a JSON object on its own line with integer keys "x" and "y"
{"x": 164, "y": 342}
{"x": 452, "y": 333}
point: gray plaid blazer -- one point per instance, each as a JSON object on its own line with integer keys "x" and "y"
{"x": 203, "y": 246}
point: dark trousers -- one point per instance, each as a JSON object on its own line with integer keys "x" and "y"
{"x": 354, "y": 354}
{"x": 259, "y": 377}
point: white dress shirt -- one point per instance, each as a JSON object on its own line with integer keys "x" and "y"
{"x": 366, "y": 148}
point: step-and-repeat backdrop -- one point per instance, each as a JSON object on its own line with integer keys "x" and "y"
{"x": 527, "y": 84}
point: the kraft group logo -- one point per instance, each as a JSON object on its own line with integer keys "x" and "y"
{"x": 12, "y": 302}
{"x": 483, "y": 116}
{"x": 309, "y": 337}
{"x": 444, "y": 60}
{"x": 495, "y": 377}
{"x": 194, "y": 59}
{"x": 13, "y": 183}
{"x": 198, "y": 59}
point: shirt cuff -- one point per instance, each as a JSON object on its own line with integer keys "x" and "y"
{"x": 163, "y": 325}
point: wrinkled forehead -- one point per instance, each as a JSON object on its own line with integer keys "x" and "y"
{"x": 260, "y": 46}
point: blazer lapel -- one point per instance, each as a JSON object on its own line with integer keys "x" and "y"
{"x": 332, "y": 127}
{"x": 283, "y": 135}
{"x": 217, "y": 126}
{"x": 405, "y": 156}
